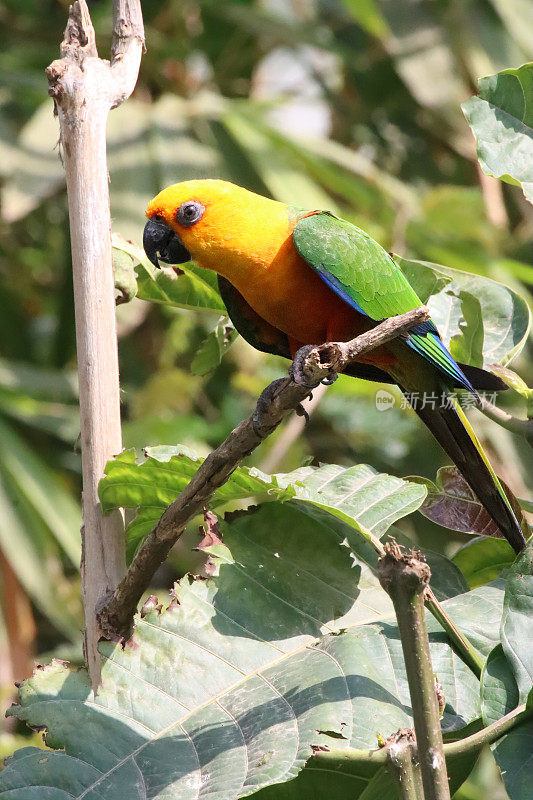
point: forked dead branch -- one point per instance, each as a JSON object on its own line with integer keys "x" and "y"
{"x": 85, "y": 88}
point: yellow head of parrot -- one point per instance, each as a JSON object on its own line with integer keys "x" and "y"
{"x": 221, "y": 226}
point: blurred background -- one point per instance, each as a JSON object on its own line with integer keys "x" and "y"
{"x": 349, "y": 105}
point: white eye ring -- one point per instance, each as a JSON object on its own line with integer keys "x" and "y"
{"x": 189, "y": 213}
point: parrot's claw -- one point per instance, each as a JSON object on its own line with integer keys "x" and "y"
{"x": 296, "y": 369}
{"x": 331, "y": 379}
{"x": 300, "y": 410}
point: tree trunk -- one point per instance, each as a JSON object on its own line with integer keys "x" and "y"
{"x": 85, "y": 88}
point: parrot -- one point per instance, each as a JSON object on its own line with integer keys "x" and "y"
{"x": 291, "y": 277}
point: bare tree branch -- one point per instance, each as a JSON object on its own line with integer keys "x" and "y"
{"x": 522, "y": 427}
{"x": 293, "y": 430}
{"x": 277, "y": 400}
{"x": 84, "y": 89}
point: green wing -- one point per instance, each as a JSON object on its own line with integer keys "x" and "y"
{"x": 363, "y": 274}
{"x": 361, "y": 271}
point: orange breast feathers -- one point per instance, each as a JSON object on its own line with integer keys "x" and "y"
{"x": 248, "y": 239}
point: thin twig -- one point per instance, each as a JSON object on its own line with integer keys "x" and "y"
{"x": 334, "y": 758}
{"x": 277, "y": 400}
{"x": 522, "y": 427}
{"x": 465, "y": 648}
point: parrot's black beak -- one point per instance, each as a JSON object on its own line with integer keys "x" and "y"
{"x": 161, "y": 243}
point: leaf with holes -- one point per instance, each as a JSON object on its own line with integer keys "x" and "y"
{"x": 152, "y": 482}
{"x": 358, "y": 497}
{"x": 225, "y": 691}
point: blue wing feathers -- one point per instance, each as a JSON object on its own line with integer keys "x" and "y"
{"x": 425, "y": 340}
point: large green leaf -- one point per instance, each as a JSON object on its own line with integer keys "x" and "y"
{"x": 480, "y": 320}
{"x": 516, "y": 620}
{"x": 358, "y": 497}
{"x": 501, "y": 118}
{"x": 151, "y": 483}
{"x": 226, "y": 690}
{"x": 513, "y": 752}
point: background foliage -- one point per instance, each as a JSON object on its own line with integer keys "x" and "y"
{"x": 349, "y": 106}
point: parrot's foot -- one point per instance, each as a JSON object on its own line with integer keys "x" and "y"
{"x": 297, "y": 369}
{"x": 332, "y": 378}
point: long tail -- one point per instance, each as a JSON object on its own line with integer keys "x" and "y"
{"x": 454, "y": 433}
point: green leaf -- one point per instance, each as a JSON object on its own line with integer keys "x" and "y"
{"x": 512, "y": 380}
{"x": 478, "y": 614}
{"x": 499, "y": 692}
{"x": 355, "y": 780}
{"x": 467, "y": 345}
{"x": 482, "y": 559}
{"x": 210, "y": 353}
{"x": 480, "y": 320}
{"x": 447, "y": 580}
{"x": 501, "y": 118}
{"x": 368, "y": 15}
{"x": 124, "y": 274}
{"x": 513, "y": 751}
{"x": 151, "y": 483}
{"x": 226, "y": 690}
{"x": 514, "y": 756}
{"x": 31, "y": 504}
{"x": 42, "y": 492}
{"x": 358, "y": 497}
{"x": 516, "y": 620}
{"x": 195, "y": 288}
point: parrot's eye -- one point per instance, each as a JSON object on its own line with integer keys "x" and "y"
{"x": 190, "y": 212}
